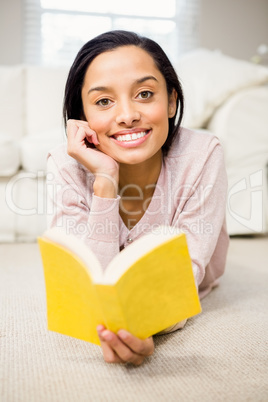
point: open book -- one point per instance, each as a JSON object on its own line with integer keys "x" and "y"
{"x": 146, "y": 288}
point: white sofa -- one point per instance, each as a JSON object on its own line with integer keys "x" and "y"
{"x": 226, "y": 96}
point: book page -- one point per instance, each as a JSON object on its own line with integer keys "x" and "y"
{"x": 77, "y": 247}
{"x": 136, "y": 250}
{"x": 121, "y": 262}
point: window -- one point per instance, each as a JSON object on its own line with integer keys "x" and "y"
{"x": 56, "y": 29}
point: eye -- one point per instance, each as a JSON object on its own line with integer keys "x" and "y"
{"x": 103, "y": 102}
{"x": 145, "y": 94}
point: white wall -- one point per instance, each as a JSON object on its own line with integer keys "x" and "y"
{"x": 236, "y": 27}
{"x": 11, "y": 31}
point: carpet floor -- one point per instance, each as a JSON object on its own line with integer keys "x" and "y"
{"x": 220, "y": 355}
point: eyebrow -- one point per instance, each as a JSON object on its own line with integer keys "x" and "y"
{"x": 148, "y": 77}
{"x": 139, "y": 81}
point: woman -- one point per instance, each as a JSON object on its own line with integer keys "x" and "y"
{"x": 128, "y": 167}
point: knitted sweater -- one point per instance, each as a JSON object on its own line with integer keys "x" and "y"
{"x": 190, "y": 194}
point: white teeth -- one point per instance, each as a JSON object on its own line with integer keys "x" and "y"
{"x": 131, "y": 137}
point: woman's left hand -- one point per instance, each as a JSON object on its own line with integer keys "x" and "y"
{"x": 124, "y": 347}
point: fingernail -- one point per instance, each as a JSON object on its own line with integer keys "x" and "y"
{"x": 107, "y": 336}
{"x": 100, "y": 328}
{"x": 122, "y": 334}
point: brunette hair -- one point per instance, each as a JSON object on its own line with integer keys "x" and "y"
{"x": 73, "y": 107}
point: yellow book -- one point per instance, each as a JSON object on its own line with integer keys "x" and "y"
{"x": 146, "y": 288}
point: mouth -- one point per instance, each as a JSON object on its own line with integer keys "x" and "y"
{"x": 130, "y": 136}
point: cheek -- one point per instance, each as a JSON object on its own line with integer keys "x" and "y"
{"x": 98, "y": 122}
{"x": 159, "y": 116}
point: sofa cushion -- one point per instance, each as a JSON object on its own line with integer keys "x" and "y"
{"x": 209, "y": 78}
{"x": 44, "y": 98}
{"x": 11, "y": 101}
{"x": 9, "y": 156}
{"x": 7, "y": 217}
{"x": 35, "y": 148}
{"x": 242, "y": 127}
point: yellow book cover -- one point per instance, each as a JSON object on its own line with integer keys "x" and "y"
{"x": 146, "y": 288}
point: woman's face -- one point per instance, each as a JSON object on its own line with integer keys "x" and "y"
{"x": 126, "y": 103}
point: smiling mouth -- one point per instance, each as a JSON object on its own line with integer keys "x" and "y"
{"x": 130, "y": 136}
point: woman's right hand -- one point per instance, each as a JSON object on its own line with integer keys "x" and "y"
{"x": 104, "y": 168}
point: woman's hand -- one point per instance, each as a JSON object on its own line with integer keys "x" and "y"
{"x": 105, "y": 169}
{"x": 124, "y": 347}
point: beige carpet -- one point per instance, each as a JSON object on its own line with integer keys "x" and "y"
{"x": 221, "y": 355}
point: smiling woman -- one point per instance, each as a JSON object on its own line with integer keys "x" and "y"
{"x": 129, "y": 163}
{"x": 125, "y": 101}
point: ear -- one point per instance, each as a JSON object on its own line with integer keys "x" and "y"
{"x": 172, "y": 103}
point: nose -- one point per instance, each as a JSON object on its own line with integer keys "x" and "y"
{"x": 127, "y": 113}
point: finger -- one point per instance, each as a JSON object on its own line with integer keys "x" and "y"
{"x": 75, "y": 138}
{"x": 144, "y": 347}
{"x": 75, "y": 135}
{"x": 78, "y": 136}
{"x": 83, "y": 122}
{"x": 74, "y": 125}
{"x": 92, "y": 138}
{"x": 91, "y": 135}
{"x": 121, "y": 350}
{"x": 71, "y": 129}
{"x": 109, "y": 354}
{"x": 74, "y": 121}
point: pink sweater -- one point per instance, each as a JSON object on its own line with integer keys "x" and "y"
{"x": 190, "y": 194}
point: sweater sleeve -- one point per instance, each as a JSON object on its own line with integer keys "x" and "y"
{"x": 71, "y": 205}
{"x": 202, "y": 217}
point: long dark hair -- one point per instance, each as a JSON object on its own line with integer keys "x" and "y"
{"x": 73, "y": 107}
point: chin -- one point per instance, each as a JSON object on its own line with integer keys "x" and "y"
{"x": 137, "y": 159}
